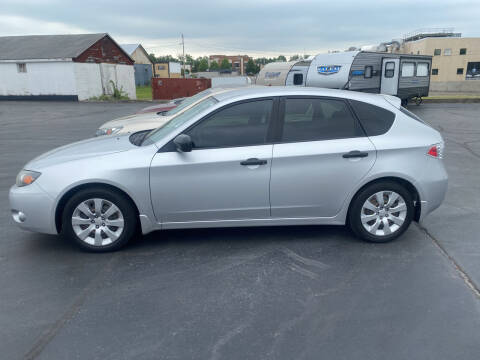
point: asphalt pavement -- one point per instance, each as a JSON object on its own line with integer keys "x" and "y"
{"x": 241, "y": 293}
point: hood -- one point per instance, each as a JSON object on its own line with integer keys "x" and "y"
{"x": 150, "y": 118}
{"x": 82, "y": 149}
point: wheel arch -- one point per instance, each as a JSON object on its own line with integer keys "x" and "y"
{"x": 405, "y": 183}
{"x": 97, "y": 185}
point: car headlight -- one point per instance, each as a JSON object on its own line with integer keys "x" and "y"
{"x": 26, "y": 177}
{"x": 108, "y": 131}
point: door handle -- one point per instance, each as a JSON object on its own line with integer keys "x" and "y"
{"x": 253, "y": 161}
{"x": 355, "y": 154}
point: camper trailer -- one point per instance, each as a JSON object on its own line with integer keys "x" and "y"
{"x": 405, "y": 76}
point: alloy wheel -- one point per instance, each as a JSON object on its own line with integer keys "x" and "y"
{"x": 383, "y": 213}
{"x": 97, "y": 222}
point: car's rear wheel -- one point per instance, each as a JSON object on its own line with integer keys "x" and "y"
{"x": 99, "y": 220}
{"x": 381, "y": 212}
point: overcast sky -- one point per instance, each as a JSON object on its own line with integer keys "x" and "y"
{"x": 253, "y": 27}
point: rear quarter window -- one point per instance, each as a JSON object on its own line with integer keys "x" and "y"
{"x": 375, "y": 120}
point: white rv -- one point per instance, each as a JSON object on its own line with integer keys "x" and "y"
{"x": 405, "y": 76}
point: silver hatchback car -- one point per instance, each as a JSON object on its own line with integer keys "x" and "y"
{"x": 245, "y": 157}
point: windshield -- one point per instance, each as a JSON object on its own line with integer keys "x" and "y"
{"x": 178, "y": 120}
{"x": 189, "y": 101}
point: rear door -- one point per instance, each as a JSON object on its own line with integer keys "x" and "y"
{"x": 322, "y": 156}
{"x": 390, "y": 71}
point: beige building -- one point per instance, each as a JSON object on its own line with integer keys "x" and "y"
{"x": 455, "y": 62}
{"x": 168, "y": 70}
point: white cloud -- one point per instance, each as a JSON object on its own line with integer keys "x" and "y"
{"x": 19, "y": 25}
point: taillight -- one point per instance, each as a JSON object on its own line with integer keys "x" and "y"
{"x": 436, "y": 151}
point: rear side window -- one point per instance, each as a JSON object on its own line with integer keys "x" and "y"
{"x": 375, "y": 120}
{"x": 311, "y": 119}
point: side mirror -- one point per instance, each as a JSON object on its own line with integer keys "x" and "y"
{"x": 183, "y": 143}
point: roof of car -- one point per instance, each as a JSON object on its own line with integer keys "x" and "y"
{"x": 254, "y": 91}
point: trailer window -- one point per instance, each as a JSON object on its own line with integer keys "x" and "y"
{"x": 368, "y": 72}
{"x": 408, "y": 69}
{"x": 375, "y": 120}
{"x": 297, "y": 79}
{"x": 422, "y": 69}
{"x": 389, "y": 69}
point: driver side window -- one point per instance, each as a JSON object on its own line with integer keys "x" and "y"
{"x": 241, "y": 124}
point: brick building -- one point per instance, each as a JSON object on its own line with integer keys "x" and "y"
{"x": 238, "y": 62}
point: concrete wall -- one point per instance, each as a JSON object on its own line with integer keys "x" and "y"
{"x": 41, "y": 78}
{"x": 447, "y": 65}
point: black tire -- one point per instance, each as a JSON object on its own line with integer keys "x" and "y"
{"x": 126, "y": 207}
{"x": 418, "y": 100}
{"x": 404, "y": 102}
{"x": 354, "y": 214}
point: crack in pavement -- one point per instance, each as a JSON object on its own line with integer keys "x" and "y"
{"x": 463, "y": 274}
{"x": 49, "y": 334}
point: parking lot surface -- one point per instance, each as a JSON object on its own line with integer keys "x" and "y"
{"x": 246, "y": 293}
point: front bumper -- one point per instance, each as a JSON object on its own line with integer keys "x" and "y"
{"x": 33, "y": 209}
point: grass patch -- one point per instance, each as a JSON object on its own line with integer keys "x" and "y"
{"x": 144, "y": 92}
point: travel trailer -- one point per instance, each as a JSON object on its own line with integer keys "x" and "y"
{"x": 405, "y": 76}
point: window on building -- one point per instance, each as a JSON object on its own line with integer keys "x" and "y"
{"x": 408, "y": 69}
{"x": 389, "y": 69}
{"x": 368, "y": 72}
{"x": 311, "y": 119}
{"x": 21, "y": 67}
{"x": 437, "y": 52}
{"x": 473, "y": 71}
{"x": 463, "y": 51}
{"x": 422, "y": 69}
{"x": 447, "y": 52}
{"x": 459, "y": 71}
{"x": 418, "y": 52}
{"x": 161, "y": 67}
{"x": 297, "y": 79}
{"x": 434, "y": 71}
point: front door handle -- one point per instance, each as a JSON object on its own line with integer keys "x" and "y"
{"x": 253, "y": 161}
{"x": 355, "y": 154}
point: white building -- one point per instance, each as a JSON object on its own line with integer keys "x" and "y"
{"x": 69, "y": 67}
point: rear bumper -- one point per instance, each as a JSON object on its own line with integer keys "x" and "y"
{"x": 32, "y": 208}
{"x": 432, "y": 187}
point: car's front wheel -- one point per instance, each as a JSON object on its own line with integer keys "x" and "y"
{"x": 381, "y": 212}
{"x": 99, "y": 220}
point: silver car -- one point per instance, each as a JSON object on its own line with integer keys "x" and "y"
{"x": 245, "y": 157}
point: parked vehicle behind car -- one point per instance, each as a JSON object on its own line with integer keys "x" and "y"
{"x": 149, "y": 121}
{"x": 247, "y": 157}
{"x": 162, "y": 108}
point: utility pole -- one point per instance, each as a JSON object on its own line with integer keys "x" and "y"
{"x": 183, "y": 57}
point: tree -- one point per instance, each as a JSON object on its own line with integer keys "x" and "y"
{"x": 152, "y": 58}
{"x": 225, "y": 65}
{"x": 251, "y": 68}
{"x": 214, "y": 66}
{"x": 282, "y": 58}
{"x": 294, "y": 57}
{"x": 203, "y": 65}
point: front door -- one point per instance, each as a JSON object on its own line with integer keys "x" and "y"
{"x": 390, "y": 72}
{"x": 225, "y": 177}
{"x": 322, "y": 156}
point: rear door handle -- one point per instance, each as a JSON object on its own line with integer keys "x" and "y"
{"x": 355, "y": 154}
{"x": 253, "y": 161}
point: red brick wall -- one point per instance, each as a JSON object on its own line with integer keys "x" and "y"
{"x": 104, "y": 51}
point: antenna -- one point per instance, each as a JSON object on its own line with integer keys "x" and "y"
{"x": 183, "y": 57}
